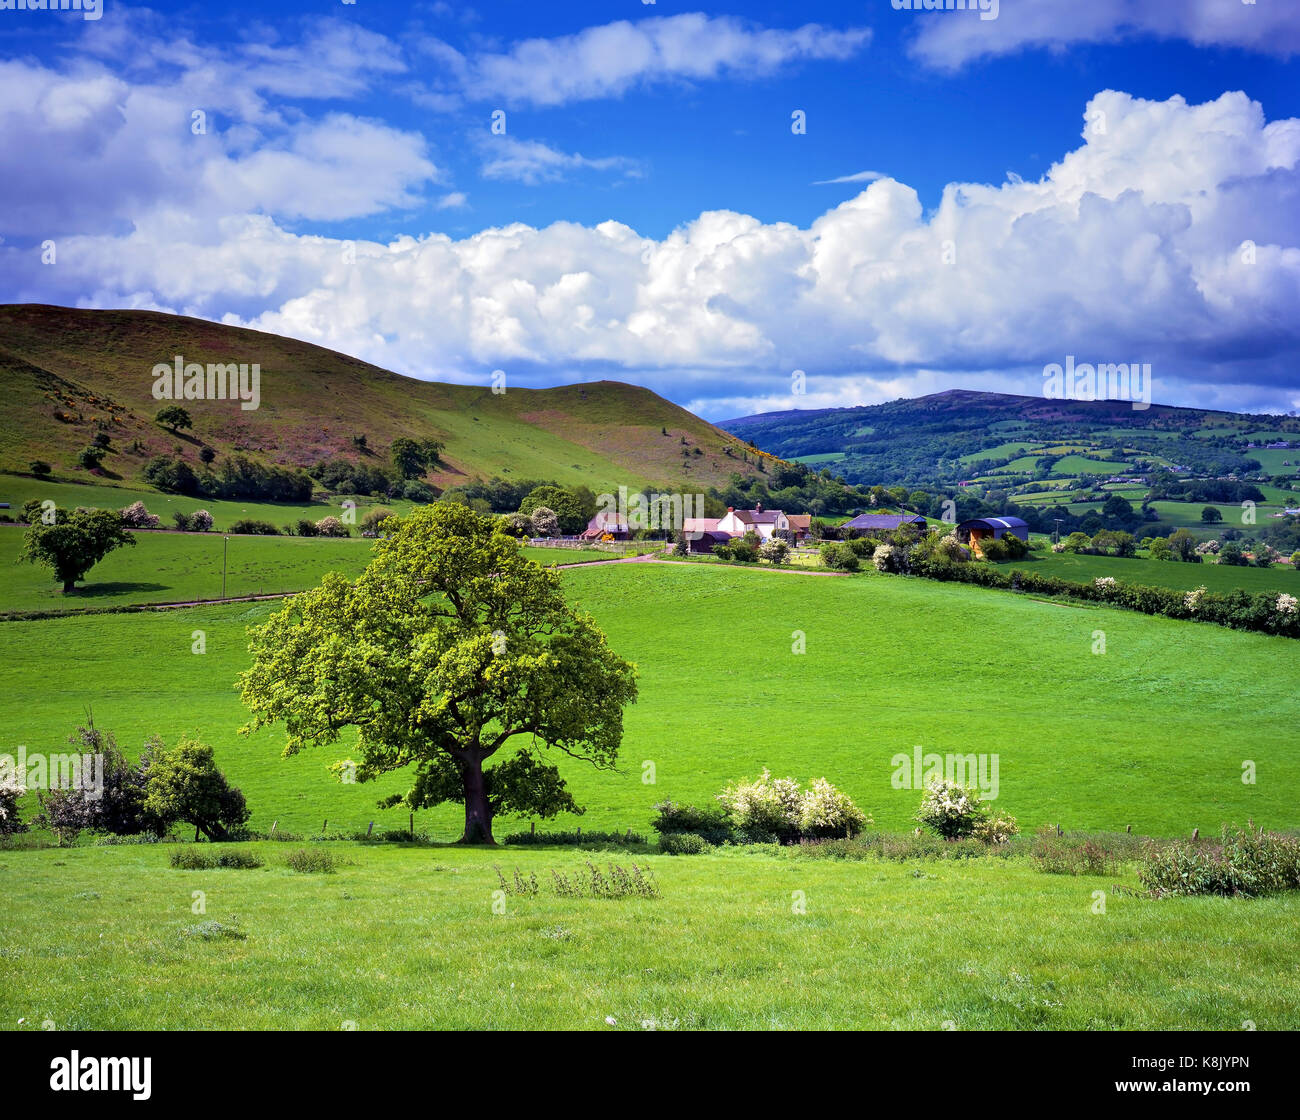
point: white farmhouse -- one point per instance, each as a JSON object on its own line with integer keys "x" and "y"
{"x": 764, "y": 522}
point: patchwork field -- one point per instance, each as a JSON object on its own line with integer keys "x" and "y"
{"x": 1152, "y": 733}
{"x": 977, "y": 945}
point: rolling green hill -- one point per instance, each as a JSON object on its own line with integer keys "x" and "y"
{"x": 957, "y": 435}
{"x": 70, "y": 373}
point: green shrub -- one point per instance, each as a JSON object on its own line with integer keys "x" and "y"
{"x": 1246, "y": 862}
{"x": 194, "y": 858}
{"x": 310, "y": 861}
{"x": 711, "y": 823}
{"x": 683, "y": 844}
{"x": 577, "y": 839}
{"x": 190, "y": 859}
{"x": 248, "y": 526}
{"x": 1055, "y": 854}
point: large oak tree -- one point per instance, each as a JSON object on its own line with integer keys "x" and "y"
{"x": 451, "y": 649}
{"x": 75, "y": 543}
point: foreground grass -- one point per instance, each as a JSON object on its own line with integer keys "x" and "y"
{"x": 406, "y": 938}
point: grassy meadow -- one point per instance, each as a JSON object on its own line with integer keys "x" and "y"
{"x": 170, "y": 567}
{"x": 984, "y": 944}
{"x": 1161, "y": 573}
{"x": 1152, "y": 733}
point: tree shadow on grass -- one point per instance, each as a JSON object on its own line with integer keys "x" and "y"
{"x": 100, "y": 590}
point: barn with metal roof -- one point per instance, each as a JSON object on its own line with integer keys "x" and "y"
{"x": 980, "y": 528}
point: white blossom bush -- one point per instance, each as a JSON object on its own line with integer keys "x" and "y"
{"x": 950, "y": 810}
{"x": 200, "y": 521}
{"x": 825, "y": 812}
{"x": 996, "y": 828}
{"x": 887, "y": 558}
{"x": 1192, "y": 600}
{"x": 774, "y": 550}
{"x": 545, "y": 522}
{"x": 331, "y": 527}
{"x": 1059, "y": 546}
{"x": 1208, "y": 548}
{"x": 1286, "y": 605}
{"x": 1104, "y": 584}
{"x": 11, "y": 789}
{"x": 764, "y": 808}
{"x": 135, "y": 516}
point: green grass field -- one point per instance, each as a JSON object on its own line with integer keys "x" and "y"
{"x": 1161, "y": 573}
{"x": 169, "y": 567}
{"x": 1093, "y": 741}
{"x": 990, "y": 944}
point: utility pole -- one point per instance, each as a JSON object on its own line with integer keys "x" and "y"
{"x": 1056, "y": 533}
{"x": 225, "y": 546}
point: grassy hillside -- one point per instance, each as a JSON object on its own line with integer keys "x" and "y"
{"x": 1152, "y": 733}
{"x": 67, "y": 373}
{"x": 957, "y": 435}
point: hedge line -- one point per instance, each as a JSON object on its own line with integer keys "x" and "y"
{"x": 1239, "y": 610}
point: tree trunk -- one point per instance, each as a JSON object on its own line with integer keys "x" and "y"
{"x": 478, "y": 813}
{"x": 69, "y": 586}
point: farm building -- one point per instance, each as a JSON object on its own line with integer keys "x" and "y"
{"x": 705, "y": 540}
{"x": 605, "y": 523}
{"x": 800, "y": 525}
{"x": 866, "y": 523}
{"x": 766, "y": 523}
{"x": 692, "y": 525}
{"x": 978, "y": 528}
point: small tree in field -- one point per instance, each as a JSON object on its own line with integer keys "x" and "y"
{"x": 774, "y": 550}
{"x": 183, "y": 784}
{"x": 40, "y": 468}
{"x": 76, "y": 543}
{"x": 174, "y": 418}
{"x": 448, "y": 651}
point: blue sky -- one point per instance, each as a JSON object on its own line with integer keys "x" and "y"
{"x": 1115, "y": 181}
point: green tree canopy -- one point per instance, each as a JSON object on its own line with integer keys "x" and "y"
{"x": 182, "y": 783}
{"x": 449, "y": 650}
{"x": 76, "y": 543}
{"x": 174, "y": 417}
{"x": 568, "y": 507}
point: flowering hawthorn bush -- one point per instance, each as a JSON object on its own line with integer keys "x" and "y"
{"x": 951, "y": 810}
{"x": 10, "y": 791}
{"x": 825, "y": 812}
{"x": 887, "y": 558}
{"x": 135, "y": 516}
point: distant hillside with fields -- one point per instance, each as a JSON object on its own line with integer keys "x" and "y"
{"x": 71, "y": 374}
{"x": 962, "y": 436}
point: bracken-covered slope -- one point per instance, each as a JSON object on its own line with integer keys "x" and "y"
{"x": 67, "y": 373}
